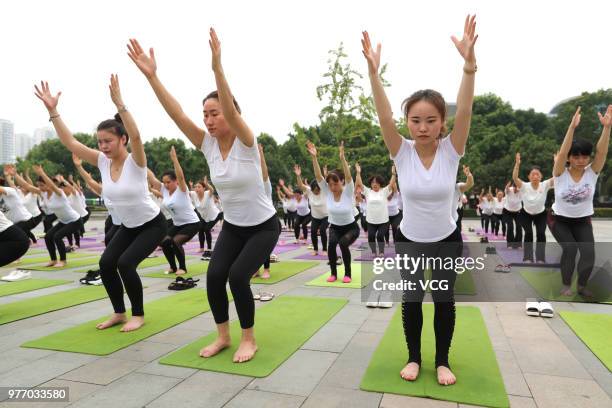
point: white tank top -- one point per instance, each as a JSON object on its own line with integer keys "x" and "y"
{"x": 30, "y": 201}
{"x": 206, "y": 206}
{"x": 130, "y": 194}
{"x": 111, "y": 210}
{"x": 77, "y": 205}
{"x": 180, "y": 206}
{"x": 59, "y": 205}
{"x": 14, "y": 202}
{"x": 302, "y": 207}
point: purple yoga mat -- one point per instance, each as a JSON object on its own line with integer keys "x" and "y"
{"x": 310, "y": 257}
{"x": 514, "y": 257}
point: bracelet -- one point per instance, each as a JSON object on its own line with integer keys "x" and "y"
{"x": 122, "y": 109}
{"x": 469, "y": 72}
{"x": 53, "y": 117}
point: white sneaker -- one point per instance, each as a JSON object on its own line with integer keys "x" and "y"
{"x": 385, "y": 305}
{"x": 20, "y": 275}
{"x": 10, "y": 276}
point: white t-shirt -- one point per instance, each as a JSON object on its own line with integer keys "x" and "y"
{"x": 111, "y": 210}
{"x": 43, "y": 204}
{"x": 130, "y": 194}
{"x": 17, "y": 211}
{"x": 292, "y": 204}
{"x": 302, "y": 207}
{"x": 513, "y": 201}
{"x": 60, "y": 206}
{"x": 5, "y": 223}
{"x": 575, "y": 200}
{"x": 158, "y": 202}
{"x": 427, "y": 194}
{"x": 457, "y": 200}
{"x": 486, "y": 206}
{"x": 498, "y": 206}
{"x": 206, "y": 206}
{"x": 30, "y": 201}
{"x": 318, "y": 203}
{"x": 340, "y": 212}
{"x": 363, "y": 207}
{"x": 534, "y": 200}
{"x": 268, "y": 189}
{"x": 376, "y": 203}
{"x": 238, "y": 180}
{"x": 77, "y": 204}
{"x": 285, "y": 203}
{"x": 393, "y": 205}
{"x": 180, "y": 206}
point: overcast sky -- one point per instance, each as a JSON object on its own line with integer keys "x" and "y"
{"x": 532, "y": 54}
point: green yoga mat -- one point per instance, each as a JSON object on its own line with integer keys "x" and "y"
{"x": 464, "y": 284}
{"x": 194, "y": 269}
{"x": 45, "y": 259}
{"x": 355, "y": 276}
{"x": 11, "y": 288}
{"x": 281, "y": 327}
{"x": 472, "y": 359}
{"x": 594, "y": 330}
{"x": 547, "y": 283}
{"x": 33, "y": 307}
{"x": 92, "y": 262}
{"x": 160, "y": 315}
{"x": 147, "y": 263}
{"x": 283, "y": 270}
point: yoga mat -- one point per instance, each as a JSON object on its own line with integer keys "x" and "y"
{"x": 46, "y": 258}
{"x": 367, "y": 255}
{"x": 548, "y": 286}
{"x": 11, "y": 288}
{"x": 283, "y": 270}
{"x": 23, "y": 309}
{"x": 514, "y": 257}
{"x": 355, "y": 275}
{"x": 282, "y": 327}
{"x": 310, "y": 257}
{"x": 160, "y": 315}
{"x": 472, "y": 359}
{"x": 146, "y": 263}
{"x": 464, "y": 284}
{"x": 71, "y": 263}
{"x": 594, "y": 330}
{"x": 194, "y": 269}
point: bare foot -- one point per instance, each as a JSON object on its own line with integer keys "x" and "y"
{"x": 115, "y": 319}
{"x": 180, "y": 272}
{"x": 215, "y": 347}
{"x": 135, "y": 323}
{"x": 584, "y": 292}
{"x": 51, "y": 263}
{"x": 566, "y": 291}
{"x": 245, "y": 351}
{"x": 60, "y": 264}
{"x": 315, "y": 253}
{"x": 410, "y": 372}
{"x": 445, "y": 376}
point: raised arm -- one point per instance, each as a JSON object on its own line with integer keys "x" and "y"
{"x": 153, "y": 181}
{"x": 178, "y": 170}
{"x": 48, "y": 182}
{"x": 348, "y": 178}
{"x": 226, "y": 99}
{"x": 604, "y": 141}
{"x": 393, "y": 180}
{"x": 91, "y": 183}
{"x": 264, "y": 166}
{"x": 358, "y": 180}
{"x": 465, "y": 98}
{"x": 298, "y": 175}
{"x": 312, "y": 150}
{"x": 138, "y": 153}
{"x": 208, "y": 186}
{"x": 148, "y": 66}
{"x": 279, "y": 193}
{"x": 392, "y": 138}
{"x": 469, "y": 180}
{"x": 515, "y": 171}
{"x": 288, "y": 192}
{"x": 65, "y": 136}
{"x": 561, "y": 157}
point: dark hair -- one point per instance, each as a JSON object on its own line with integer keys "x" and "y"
{"x": 2, "y": 181}
{"x": 581, "y": 147}
{"x": 336, "y": 175}
{"x": 314, "y": 185}
{"x": 431, "y": 96}
{"x": 114, "y": 126}
{"x": 170, "y": 174}
{"x": 379, "y": 179}
{"x": 297, "y": 191}
{"x": 215, "y": 95}
{"x": 535, "y": 168}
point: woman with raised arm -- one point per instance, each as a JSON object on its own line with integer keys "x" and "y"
{"x": 498, "y": 208}
{"x": 377, "y": 213}
{"x": 460, "y": 189}
{"x": 339, "y": 190}
{"x": 13, "y": 199}
{"x": 205, "y": 205}
{"x": 486, "y": 209}
{"x": 427, "y": 172}
{"x": 318, "y": 207}
{"x": 185, "y": 222}
{"x": 393, "y": 208}
{"x": 28, "y": 198}
{"x": 124, "y": 177}
{"x": 291, "y": 200}
{"x": 570, "y": 221}
{"x": 250, "y": 229}
{"x": 510, "y": 216}
{"x": 54, "y": 193}
{"x": 533, "y": 195}
{"x": 302, "y": 215}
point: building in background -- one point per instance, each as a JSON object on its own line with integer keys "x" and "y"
{"x": 7, "y": 142}
{"x": 23, "y": 144}
{"x": 43, "y": 134}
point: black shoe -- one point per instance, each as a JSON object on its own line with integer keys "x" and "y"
{"x": 91, "y": 275}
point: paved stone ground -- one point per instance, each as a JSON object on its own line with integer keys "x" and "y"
{"x": 542, "y": 362}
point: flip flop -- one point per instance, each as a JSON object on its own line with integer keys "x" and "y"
{"x": 532, "y": 308}
{"x": 266, "y": 296}
{"x": 545, "y": 309}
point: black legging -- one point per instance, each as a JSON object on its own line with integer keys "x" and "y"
{"x": 394, "y": 222}
{"x": 497, "y": 222}
{"x": 33, "y": 223}
{"x": 84, "y": 220}
{"x": 285, "y": 218}
{"x": 110, "y": 230}
{"x": 364, "y": 222}
{"x": 319, "y": 224}
{"x": 444, "y": 301}
{"x": 25, "y": 226}
{"x": 460, "y": 218}
{"x": 482, "y": 220}
{"x": 344, "y": 236}
{"x": 514, "y": 232}
{"x": 128, "y": 248}
{"x": 54, "y": 238}
{"x": 540, "y": 223}
{"x": 487, "y": 220}
{"x": 376, "y": 233}
{"x": 14, "y": 243}
{"x": 205, "y": 233}
{"x": 574, "y": 234}
{"x": 77, "y": 234}
{"x": 301, "y": 221}
{"x": 239, "y": 252}
{"x": 291, "y": 218}
{"x": 48, "y": 221}
{"x": 172, "y": 244}
{"x": 267, "y": 261}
